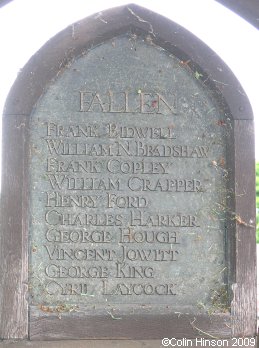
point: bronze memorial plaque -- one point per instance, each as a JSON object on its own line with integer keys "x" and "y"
{"x": 128, "y": 184}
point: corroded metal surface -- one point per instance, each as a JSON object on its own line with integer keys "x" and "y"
{"x": 128, "y": 183}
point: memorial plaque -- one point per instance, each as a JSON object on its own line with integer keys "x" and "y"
{"x": 128, "y": 183}
{"x": 132, "y": 183}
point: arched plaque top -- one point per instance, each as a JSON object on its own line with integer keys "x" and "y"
{"x": 79, "y": 37}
